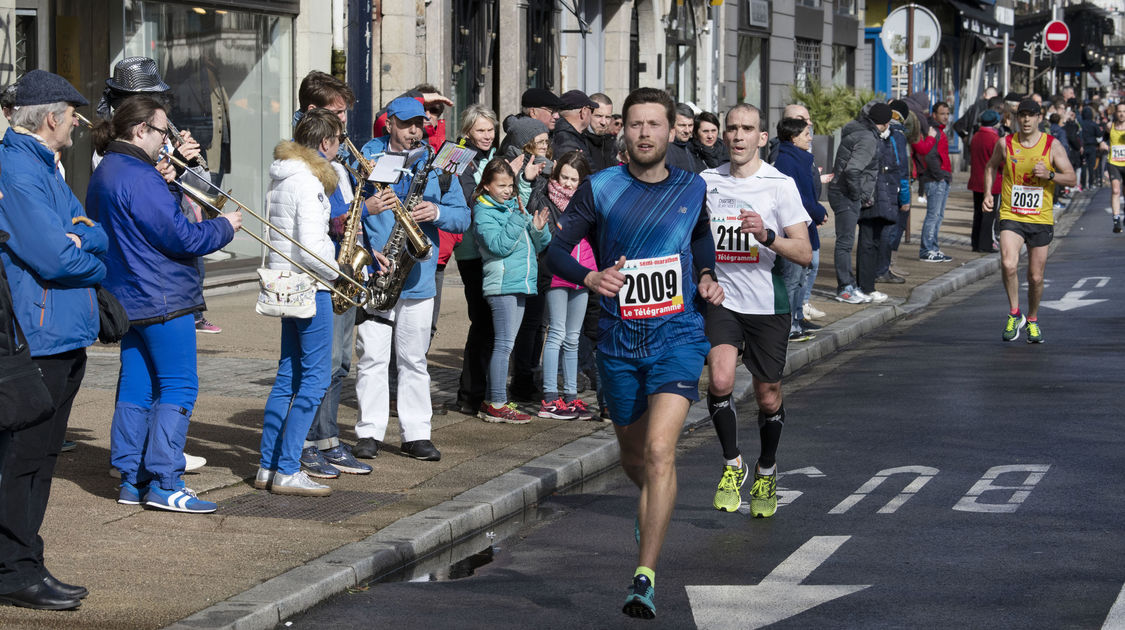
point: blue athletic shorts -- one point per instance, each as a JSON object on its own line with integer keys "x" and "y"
{"x": 628, "y": 382}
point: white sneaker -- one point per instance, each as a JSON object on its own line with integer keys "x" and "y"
{"x": 812, "y": 312}
{"x": 877, "y": 296}
{"x": 193, "y": 463}
{"x": 863, "y": 297}
{"x": 297, "y": 484}
{"x": 263, "y": 478}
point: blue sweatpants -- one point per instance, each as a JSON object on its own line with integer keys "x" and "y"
{"x": 156, "y": 392}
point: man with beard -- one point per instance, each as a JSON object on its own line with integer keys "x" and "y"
{"x": 599, "y": 136}
{"x": 655, "y": 254}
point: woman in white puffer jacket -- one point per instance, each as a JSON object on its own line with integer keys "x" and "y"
{"x": 302, "y": 181}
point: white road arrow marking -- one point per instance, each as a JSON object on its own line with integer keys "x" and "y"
{"x": 1116, "y": 618}
{"x": 1070, "y": 300}
{"x": 778, "y": 596}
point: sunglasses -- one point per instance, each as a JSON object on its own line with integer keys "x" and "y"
{"x": 436, "y": 110}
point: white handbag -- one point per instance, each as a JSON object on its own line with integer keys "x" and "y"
{"x": 284, "y": 293}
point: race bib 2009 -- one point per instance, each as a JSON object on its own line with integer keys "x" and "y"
{"x": 652, "y": 288}
{"x": 1026, "y": 200}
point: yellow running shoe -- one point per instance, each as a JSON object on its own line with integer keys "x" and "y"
{"x": 1034, "y": 335}
{"x": 727, "y": 497}
{"x": 763, "y": 494}
{"x": 1012, "y": 328}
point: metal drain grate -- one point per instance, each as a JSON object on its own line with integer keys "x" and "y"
{"x": 339, "y": 506}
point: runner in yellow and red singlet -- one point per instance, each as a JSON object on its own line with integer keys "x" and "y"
{"x": 1032, "y": 163}
{"x": 1116, "y": 149}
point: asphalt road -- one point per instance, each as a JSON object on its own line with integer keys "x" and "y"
{"x": 935, "y": 476}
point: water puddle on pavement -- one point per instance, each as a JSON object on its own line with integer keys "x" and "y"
{"x": 492, "y": 546}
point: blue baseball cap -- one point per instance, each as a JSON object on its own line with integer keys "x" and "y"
{"x": 405, "y": 108}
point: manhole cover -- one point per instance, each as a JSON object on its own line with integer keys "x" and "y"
{"x": 339, "y": 506}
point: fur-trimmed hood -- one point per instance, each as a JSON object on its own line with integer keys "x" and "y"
{"x": 291, "y": 157}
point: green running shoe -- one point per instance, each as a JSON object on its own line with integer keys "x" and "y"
{"x": 639, "y": 602}
{"x": 1012, "y": 330}
{"x": 1034, "y": 335}
{"x": 727, "y": 497}
{"x": 763, "y": 494}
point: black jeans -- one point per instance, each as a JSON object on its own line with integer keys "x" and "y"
{"x": 867, "y": 252}
{"x": 25, "y": 484}
{"x": 983, "y": 222}
{"x": 528, "y": 350}
{"x": 478, "y": 341}
{"x": 847, "y": 214}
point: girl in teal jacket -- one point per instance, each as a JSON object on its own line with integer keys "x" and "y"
{"x": 509, "y": 240}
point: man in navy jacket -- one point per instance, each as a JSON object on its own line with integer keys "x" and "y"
{"x": 52, "y": 262}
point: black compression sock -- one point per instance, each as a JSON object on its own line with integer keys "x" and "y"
{"x": 769, "y": 428}
{"x": 726, "y": 423}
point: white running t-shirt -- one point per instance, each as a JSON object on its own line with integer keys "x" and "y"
{"x": 744, "y": 267}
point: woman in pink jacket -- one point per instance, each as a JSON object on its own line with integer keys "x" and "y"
{"x": 566, "y": 302}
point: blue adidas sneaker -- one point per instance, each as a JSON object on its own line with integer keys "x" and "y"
{"x": 340, "y": 457}
{"x": 178, "y": 500}
{"x": 129, "y": 494}
{"x": 640, "y": 603}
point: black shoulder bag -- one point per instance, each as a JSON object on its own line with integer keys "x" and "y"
{"x": 24, "y": 398}
{"x": 114, "y": 321}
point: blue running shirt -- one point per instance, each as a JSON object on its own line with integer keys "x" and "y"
{"x": 623, "y": 216}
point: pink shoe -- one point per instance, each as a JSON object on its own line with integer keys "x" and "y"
{"x": 205, "y": 326}
{"x": 578, "y": 407}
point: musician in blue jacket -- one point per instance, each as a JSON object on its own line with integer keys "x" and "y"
{"x": 152, "y": 272}
{"x": 52, "y": 262}
{"x": 412, "y": 314}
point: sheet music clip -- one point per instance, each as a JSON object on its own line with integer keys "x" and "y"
{"x": 388, "y": 168}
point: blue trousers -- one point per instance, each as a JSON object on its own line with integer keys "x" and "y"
{"x": 507, "y": 313}
{"x": 566, "y": 311}
{"x": 325, "y": 432}
{"x": 156, "y": 392}
{"x": 303, "y": 374}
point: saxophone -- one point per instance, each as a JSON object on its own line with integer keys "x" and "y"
{"x": 406, "y": 245}
{"x": 352, "y": 255}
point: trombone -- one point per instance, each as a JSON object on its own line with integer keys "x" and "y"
{"x": 212, "y": 207}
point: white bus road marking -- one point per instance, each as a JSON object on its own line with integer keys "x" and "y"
{"x": 971, "y": 501}
{"x": 778, "y": 596}
{"x": 925, "y": 474}
{"x": 1076, "y": 298}
{"x": 1116, "y": 618}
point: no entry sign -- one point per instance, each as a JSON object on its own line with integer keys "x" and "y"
{"x": 1056, "y": 37}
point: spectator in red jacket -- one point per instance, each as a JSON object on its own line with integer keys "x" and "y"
{"x": 931, "y": 157}
{"x": 980, "y": 150}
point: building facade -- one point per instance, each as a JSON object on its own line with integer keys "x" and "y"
{"x": 235, "y": 65}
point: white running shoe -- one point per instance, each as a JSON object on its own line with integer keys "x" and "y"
{"x": 812, "y": 312}
{"x": 193, "y": 463}
{"x": 877, "y": 296}
{"x": 863, "y": 297}
{"x": 297, "y": 484}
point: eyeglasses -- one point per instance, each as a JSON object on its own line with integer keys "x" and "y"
{"x": 165, "y": 132}
{"x": 542, "y": 143}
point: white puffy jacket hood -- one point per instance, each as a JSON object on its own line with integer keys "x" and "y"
{"x": 301, "y": 181}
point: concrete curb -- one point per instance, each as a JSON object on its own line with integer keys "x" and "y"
{"x": 413, "y": 537}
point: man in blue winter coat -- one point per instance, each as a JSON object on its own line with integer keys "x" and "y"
{"x": 52, "y": 262}
{"x": 408, "y": 323}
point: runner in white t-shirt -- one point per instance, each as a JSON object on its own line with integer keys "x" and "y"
{"x": 756, "y": 215}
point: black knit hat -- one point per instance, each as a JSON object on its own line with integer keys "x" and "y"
{"x": 39, "y": 87}
{"x": 880, "y": 113}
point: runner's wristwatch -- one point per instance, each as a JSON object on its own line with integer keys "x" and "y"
{"x": 770, "y": 236}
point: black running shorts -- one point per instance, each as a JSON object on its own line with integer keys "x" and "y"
{"x": 1116, "y": 172}
{"x": 1033, "y": 234}
{"x": 762, "y": 339}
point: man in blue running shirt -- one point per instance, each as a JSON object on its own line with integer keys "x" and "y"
{"x": 648, "y": 226}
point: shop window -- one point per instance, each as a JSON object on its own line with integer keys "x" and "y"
{"x": 843, "y": 65}
{"x": 542, "y": 44}
{"x": 231, "y": 78}
{"x": 846, "y": 7}
{"x": 475, "y": 25}
{"x": 809, "y": 3}
{"x": 753, "y": 63}
{"x": 806, "y": 62}
{"x": 680, "y": 53}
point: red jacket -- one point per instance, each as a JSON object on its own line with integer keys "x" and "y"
{"x": 931, "y": 156}
{"x": 980, "y": 149}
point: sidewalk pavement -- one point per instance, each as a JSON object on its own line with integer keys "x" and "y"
{"x": 262, "y": 558}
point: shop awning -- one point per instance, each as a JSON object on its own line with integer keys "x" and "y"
{"x": 979, "y": 21}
